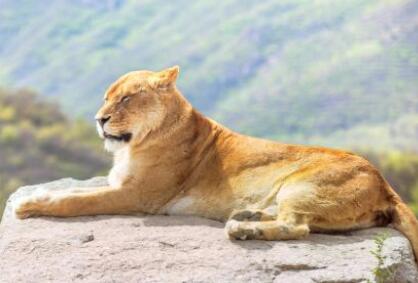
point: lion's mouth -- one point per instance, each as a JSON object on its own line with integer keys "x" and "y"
{"x": 123, "y": 137}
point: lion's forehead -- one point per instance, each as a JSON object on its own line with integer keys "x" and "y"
{"x": 128, "y": 83}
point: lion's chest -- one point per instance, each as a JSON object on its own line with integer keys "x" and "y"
{"x": 121, "y": 168}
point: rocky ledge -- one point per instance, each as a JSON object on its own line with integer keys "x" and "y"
{"x": 144, "y": 248}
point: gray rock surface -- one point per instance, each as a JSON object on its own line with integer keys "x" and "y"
{"x": 181, "y": 249}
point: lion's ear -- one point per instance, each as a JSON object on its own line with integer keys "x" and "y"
{"x": 165, "y": 78}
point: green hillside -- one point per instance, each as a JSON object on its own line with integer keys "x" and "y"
{"x": 340, "y": 73}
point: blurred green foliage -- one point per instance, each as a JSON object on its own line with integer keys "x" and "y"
{"x": 38, "y": 143}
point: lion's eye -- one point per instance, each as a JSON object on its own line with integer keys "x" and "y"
{"x": 125, "y": 99}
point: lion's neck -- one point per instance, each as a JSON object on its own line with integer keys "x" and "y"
{"x": 181, "y": 132}
{"x": 179, "y": 146}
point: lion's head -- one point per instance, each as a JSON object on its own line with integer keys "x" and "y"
{"x": 135, "y": 104}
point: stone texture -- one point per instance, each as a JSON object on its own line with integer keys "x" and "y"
{"x": 181, "y": 249}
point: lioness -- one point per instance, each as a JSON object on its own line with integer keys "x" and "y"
{"x": 170, "y": 159}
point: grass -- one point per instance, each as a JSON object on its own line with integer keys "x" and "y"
{"x": 382, "y": 273}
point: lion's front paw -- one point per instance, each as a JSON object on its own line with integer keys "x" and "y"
{"x": 22, "y": 209}
{"x": 31, "y": 205}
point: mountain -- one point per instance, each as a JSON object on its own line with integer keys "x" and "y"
{"x": 339, "y": 73}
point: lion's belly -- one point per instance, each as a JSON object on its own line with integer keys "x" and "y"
{"x": 193, "y": 205}
{"x": 256, "y": 188}
{"x": 181, "y": 206}
{"x": 217, "y": 202}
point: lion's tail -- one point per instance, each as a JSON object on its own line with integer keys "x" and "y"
{"x": 404, "y": 221}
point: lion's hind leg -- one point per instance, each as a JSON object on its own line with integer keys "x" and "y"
{"x": 291, "y": 219}
{"x": 271, "y": 230}
{"x": 303, "y": 206}
{"x": 259, "y": 225}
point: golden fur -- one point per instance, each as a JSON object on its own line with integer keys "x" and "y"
{"x": 169, "y": 159}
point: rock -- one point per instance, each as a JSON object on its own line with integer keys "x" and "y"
{"x": 143, "y": 248}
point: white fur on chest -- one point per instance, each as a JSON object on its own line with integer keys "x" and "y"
{"x": 120, "y": 169}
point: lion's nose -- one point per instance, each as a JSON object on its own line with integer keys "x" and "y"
{"x": 103, "y": 120}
